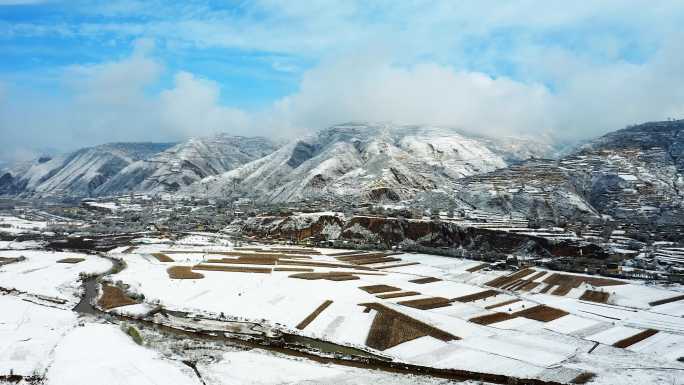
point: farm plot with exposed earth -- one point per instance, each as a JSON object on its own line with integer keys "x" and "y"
{"x": 323, "y": 314}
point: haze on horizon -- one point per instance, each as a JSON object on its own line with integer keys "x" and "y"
{"x": 77, "y": 73}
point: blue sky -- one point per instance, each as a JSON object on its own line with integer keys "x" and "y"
{"x": 75, "y": 73}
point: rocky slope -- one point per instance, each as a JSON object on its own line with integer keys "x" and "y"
{"x": 634, "y": 175}
{"x": 410, "y": 234}
{"x": 364, "y": 161}
{"x": 80, "y": 173}
{"x": 187, "y": 163}
{"x": 120, "y": 168}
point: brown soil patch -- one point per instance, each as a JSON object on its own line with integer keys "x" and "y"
{"x": 376, "y": 260}
{"x": 529, "y": 286}
{"x": 627, "y": 342}
{"x": 501, "y": 281}
{"x": 541, "y": 313}
{"x": 489, "y": 319}
{"x": 232, "y": 269}
{"x": 583, "y": 378}
{"x": 566, "y": 282}
{"x": 343, "y": 277}
{"x": 270, "y": 254}
{"x": 183, "y": 272}
{"x": 538, "y": 275}
{"x": 398, "y": 265}
{"x": 248, "y": 254}
{"x": 425, "y": 280}
{"x": 562, "y": 290}
{"x": 519, "y": 285}
{"x": 6, "y": 260}
{"x": 538, "y": 313}
{"x": 513, "y": 285}
{"x": 330, "y": 276}
{"x": 71, "y": 260}
{"x": 398, "y": 295}
{"x": 666, "y": 300}
{"x": 575, "y": 280}
{"x": 129, "y": 250}
{"x": 545, "y": 289}
{"x": 306, "y": 321}
{"x": 391, "y": 328}
{"x": 360, "y": 273}
{"x": 595, "y": 296}
{"x": 322, "y": 264}
{"x": 296, "y": 250}
{"x": 294, "y": 257}
{"x": 360, "y": 257}
{"x": 113, "y": 297}
{"x": 427, "y": 303}
{"x": 500, "y": 304}
{"x": 375, "y": 289}
{"x": 476, "y": 296}
{"x": 388, "y": 331}
{"x": 237, "y": 253}
{"x": 162, "y": 257}
{"x": 256, "y": 257}
{"x": 293, "y": 269}
{"x": 342, "y": 253}
{"x": 477, "y": 268}
{"x": 244, "y": 261}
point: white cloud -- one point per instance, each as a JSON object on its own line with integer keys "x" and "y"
{"x": 317, "y": 28}
{"x": 394, "y": 61}
{"x": 115, "y": 83}
{"x": 112, "y": 102}
{"x": 426, "y": 93}
{"x": 191, "y": 108}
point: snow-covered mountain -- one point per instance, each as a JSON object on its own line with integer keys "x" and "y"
{"x": 631, "y": 175}
{"x": 186, "y": 163}
{"x": 370, "y": 161}
{"x": 120, "y": 168}
{"x": 79, "y": 173}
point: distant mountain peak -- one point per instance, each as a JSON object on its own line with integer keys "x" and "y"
{"x": 361, "y": 159}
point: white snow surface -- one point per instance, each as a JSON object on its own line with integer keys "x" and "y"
{"x": 28, "y": 334}
{"x": 256, "y": 368}
{"x": 104, "y": 355}
{"x": 40, "y": 274}
{"x": 355, "y": 159}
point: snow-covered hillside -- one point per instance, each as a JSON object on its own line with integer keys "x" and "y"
{"x": 186, "y": 163}
{"x": 631, "y": 175}
{"x": 79, "y": 173}
{"x": 371, "y": 161}
{"x": 120, "y": 168}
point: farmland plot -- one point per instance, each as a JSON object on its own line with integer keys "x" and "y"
{"x": 28, "y": 332}
{"x": 498, "y": 322}
{"x": 115, "y": 359}
{"x": 42, "y": 274}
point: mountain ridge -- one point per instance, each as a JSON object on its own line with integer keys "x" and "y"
{"x": 369, "y": 160}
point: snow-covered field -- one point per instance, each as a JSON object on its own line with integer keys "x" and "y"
{"x": 41, "y": 337}
{"x": 15, "y": 225}
{"x": 247, "y": 368}
{"x": 554, "y": 350}
{"x": 104, "y": 355}
{"x": 40, "y": 274}
{"x": 28, "y": 334}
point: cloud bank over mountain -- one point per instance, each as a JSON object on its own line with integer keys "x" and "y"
{"x": 527, "y": 68}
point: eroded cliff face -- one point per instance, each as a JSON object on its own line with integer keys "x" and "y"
{"x": 383, "y": 232}
{"x": 293, "y": 227}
